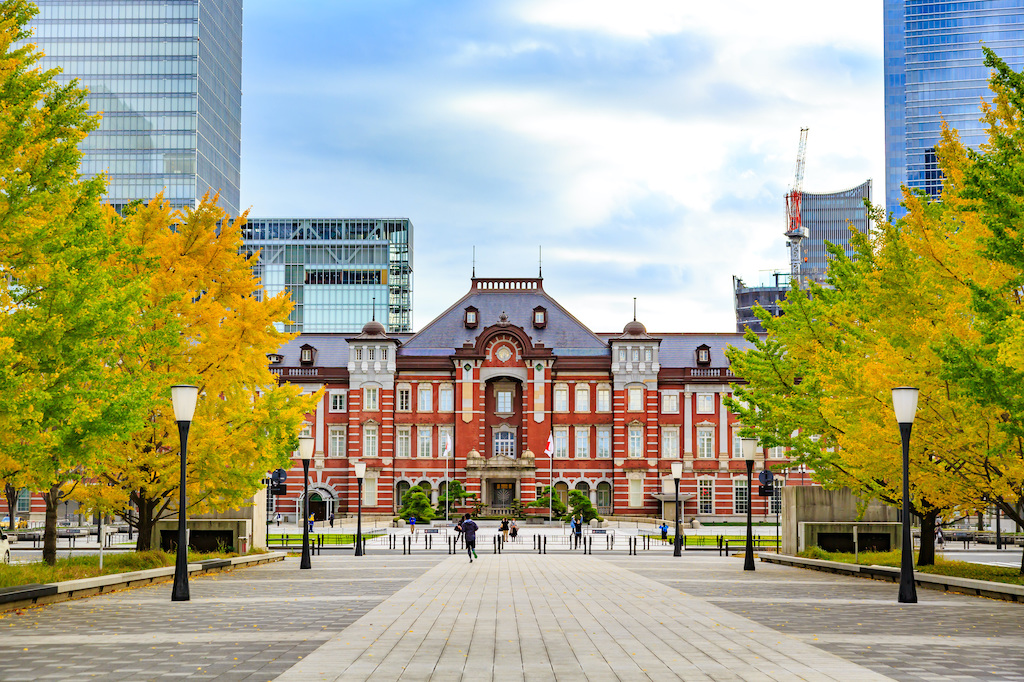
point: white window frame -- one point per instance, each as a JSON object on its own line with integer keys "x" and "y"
{"x": 705, "y": 504}
{"x": 371, "y": 399}
{"x": 441, "y": 432}
{"x": 357, "y": 353}
{"x": 603, "y": 448}
{"x": 705, "y": 403}
{"x": 424, "y": 398}
{"x": 622, "y": 355}
{"x": 777, "y": 452}
{"x": 336, "y": 441}
{"x": 635, "y": 440}
{"x": 337, "y": 401}
{"x": 561, "y": 442}
{"x": 23, "y": 504}
{"x": 371, "y": 354}
{"x": 370, "y": 440}
{"x": 635, "y": 492}
{"x": 581, "y": 444}
{"x": 560, "y": 399}
{"x": 705, "y": 442}
{"x": 670, "y": 442}
{"x": 446, "y": 398}
{"x": 503, "y": 442}
{"x": 424, "y": 441}
{"x": 634, "y": 355}
{"x": 648, "y": 355}
{"x": 403, "y": 441}
{"x": 740, "y": 496}
{"x": 635, "y": 399}
{"x": 670, "y": 403}
{"x": 498, "y": 407}
{"x": 604, "y": 398}
{"x": 369, "y": 492}
{"x": 737, "y": 445}
{"x": 582, "y": 398}
{"x": 403, "y": 393}
{"x": 776, "y": 499}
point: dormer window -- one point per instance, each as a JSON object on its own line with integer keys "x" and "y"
{"x": 307, "y": 355}
{"x": 540, "y": 317}
{"x": 472, "y": 317}
{"x": 275, "y": 358}
{"x": 358, "y": 353}
{"x": 703, "y": 355}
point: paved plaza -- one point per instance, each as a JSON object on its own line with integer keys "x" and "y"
{"x": 518, "y": 616}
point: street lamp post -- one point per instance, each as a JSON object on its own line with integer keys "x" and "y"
{"x": 677, "y": 473}
{"x": 749, "y": 448}
{"x": 183, "y": 399}
{"x": 360, "y": 468}
{"x": 904, "y": 404}
{"x": 305, "y": 454}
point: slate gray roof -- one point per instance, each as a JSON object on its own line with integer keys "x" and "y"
{"x": 680, "y": 350}
{"x": 563, "y": 333}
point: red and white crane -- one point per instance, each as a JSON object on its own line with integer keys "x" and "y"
{"x": 796, "y": 232}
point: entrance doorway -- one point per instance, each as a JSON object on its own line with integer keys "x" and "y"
{"x": 317, "y": 507}
{"x": 502, "y": 495}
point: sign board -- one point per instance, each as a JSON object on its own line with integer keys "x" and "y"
{"x": 765, "y": 490}
{"x": 278, "y": 489}
{"x": 431, "y": 530}
{"x": 279, "y": 476}
{"x": 599, "y": 531}
{"x": 766, "y": 477}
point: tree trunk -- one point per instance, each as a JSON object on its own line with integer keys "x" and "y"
{"x": 145, "y": 522}
{"x": 11, "y": 493}
{"x": 981, "y": 522}
{"x": 52, "y": 499}
{"x": 926, "y": 554}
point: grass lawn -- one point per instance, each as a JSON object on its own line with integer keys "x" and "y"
{"x": 88, "y": 566}
{"x": 958, "y": 569}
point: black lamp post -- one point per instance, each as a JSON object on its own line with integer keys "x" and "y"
{"x": 360, "y": 468}
{"x": 749, "y": 448}
{"x": 677, "y": 473}
{"x": 305, "y": 454}
{"x": 904, "y": 404}
{"x": 183, "y": 398}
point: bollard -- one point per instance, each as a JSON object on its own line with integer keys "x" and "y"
{"x": 545, "y": 544}
{"x": 591, "y": 543}
{"x": 364, "y": 546}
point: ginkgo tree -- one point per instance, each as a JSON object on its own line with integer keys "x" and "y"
{"x": 208, "y": 322}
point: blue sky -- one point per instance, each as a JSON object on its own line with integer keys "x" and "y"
{"x": 646, "y": 146}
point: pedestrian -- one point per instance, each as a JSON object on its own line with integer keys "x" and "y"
{"x": 469, "y": 528}
{"x": 278, "y": 519}
{"x": 579, "y": 530}
{"x": 572, "y": 529}
{"x": 332, "y": 519}
{"x": 664, "y": 531}
{"x": 412, "y": 525}
{"x": 311, "y": 517}
{"x": 939, "y": 540}
{"x": 504, "y": 530}
{"x": 514, "y": 532}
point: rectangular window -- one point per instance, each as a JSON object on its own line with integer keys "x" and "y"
{"x": 561, "y": 442}
{"x": 582, "y": 398}
{"x": 403, "y": 400}
{"x": 706, "y": 443}
{"x": 383, "y": 353}
{"x": 582, "y": 442}
{"x": 648, "y": 355}
{"x": 635, "y": 354}
{"x": 503, "y": 402}
{"x": 622, "y": 355}
{"x": 505, "y": 444}
{"x": 776, "y": 507}
{"x": 358, "y": 353}
{"x": 740, "y": 496}
{"x": 636, "y": 492}
{"x": 370, "y": 492}
{"x": 370, "y": 354}
{"x": 445, "y": 442}
{"x": 338, "y": 401}
{"x": 561, "y": 399}
{"x": 403, "y": 441}
{"x": 336, "y": 441}
{"x": 737, "y": 445}
{"x": 446, "y": 398}
{"x": 670, "y": 442}
{"x": 705, "y": 496}
{"x": 636, "y": 441}
{"x": 778, "y": 452}
{"x": 604, "y": 399}
{"x": 705, "y": 403}
{"x": 424, "y": 398}
{"x": 371, "y": 399}
{"x": 24, "y": 503}
{"x": 604, "y": 442}
{"x": 636, "y": 399}
{"x": 423, "y": 437}
{"x": 670, "y": 403}
{"x": 370, "y": 440}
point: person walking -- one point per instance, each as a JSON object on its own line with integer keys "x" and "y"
{"x": 311, "y": 519}
{"x": 412, "y": 525}
{"x": 579, "y": 531}
{"x": 469, "y": 529}
{"x": 504, "y": 530}
{"x": 514, "y": 532}
{"x": 664, "y": 531}
{"x": 278, "y": 519}
{"x": 572, "y": 529}
{"x": 332, "y": 519}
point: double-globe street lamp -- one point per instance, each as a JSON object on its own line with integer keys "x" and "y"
{"x": 749, "y": 448}
{"x": 677, "y": 473}
{"x": 305, "y": 454}
{"x": 360, "y": 468}
{"x": 183, "y": 399}
{"x": 904, "y": 404}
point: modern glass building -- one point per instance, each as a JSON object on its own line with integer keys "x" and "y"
{"x": 828, "y": 218}
{"x": 167, "y": 77}
{"x": 340, "y": 272}
{"x": 934, "y": 70}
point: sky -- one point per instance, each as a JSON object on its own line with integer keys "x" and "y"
{"x": 644, "y": 147}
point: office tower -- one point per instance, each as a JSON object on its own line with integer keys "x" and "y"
{"x": 934, "y": 70}
{"x": 828, "y": 217}
{"x": 768, "y": 296}
{"x": 340, "y": 272}
{"x": 167, "y": 77}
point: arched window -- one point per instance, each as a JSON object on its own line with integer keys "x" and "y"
{"x": 604, "y": 497}
{"x": 400, "y": 490}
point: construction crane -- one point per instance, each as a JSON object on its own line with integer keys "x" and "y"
{"x": 795, "y": 232}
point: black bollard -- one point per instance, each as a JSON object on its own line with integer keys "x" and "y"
{"x": 545, "y": 544}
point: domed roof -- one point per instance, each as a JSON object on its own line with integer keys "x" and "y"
{"x": 634, "y": 328}
{"x": 374, "y": 328}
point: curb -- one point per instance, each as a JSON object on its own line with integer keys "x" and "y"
{"x": 946, "y": 583}
{"x": 35, "y": 595}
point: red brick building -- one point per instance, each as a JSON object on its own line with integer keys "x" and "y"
{"x": 478, "y": 394}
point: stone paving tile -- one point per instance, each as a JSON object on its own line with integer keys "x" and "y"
{"x": 232, "y": 629}
{"x": 944, "y": 637}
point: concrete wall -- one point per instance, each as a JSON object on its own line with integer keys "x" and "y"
{"x": 812, "y": 504}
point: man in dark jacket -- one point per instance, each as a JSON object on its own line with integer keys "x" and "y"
{"x": 469, "y": 528}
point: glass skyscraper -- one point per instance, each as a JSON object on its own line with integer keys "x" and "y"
{"x": 340, "y": 272}
{"x": 167, "y": 77}
{"x": 828, "y": 217}
{"x": 934, "y": 70}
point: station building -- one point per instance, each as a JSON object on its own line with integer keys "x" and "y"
{"x": 507, "y": 392}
